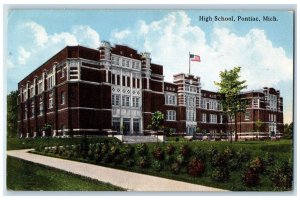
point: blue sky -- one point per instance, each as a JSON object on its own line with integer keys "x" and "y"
{"x": 263, "y": 49}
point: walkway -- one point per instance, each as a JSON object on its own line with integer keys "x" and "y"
{"x": 129, "y": 180}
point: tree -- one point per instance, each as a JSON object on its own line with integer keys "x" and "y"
{"x": 288, "y": 131}
{"x": 12, "y": 114}
{"x": 157, "y": 121}
{"x": 229, "y": 88}
{"x": 258, "y": 124}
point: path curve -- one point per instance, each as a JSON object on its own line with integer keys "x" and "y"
{"x": 129, "y": 180}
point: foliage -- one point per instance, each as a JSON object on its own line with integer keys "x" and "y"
{"x": 220, "y": 174}
{"x": 251, "y": 177}
{"x": 288, "y": 131}
{"x": 184, "y": 151}
{"x": 128, "y": 150}
{"x": 129, "y": 162}
{"x": 142, "y": 149}
{"x": 258, "y": 165}
{"x": 12, "y": 114}
{"x": 195, "y": 167}
{"x": 175, "y": 168}
{"x": 156, "y": 165}
{"x": 143, "y": 162}
{"x": 229, "y": 88}
{"x": 282, "y": 177}
{"x": 170, "y": 149}
{"x": 157, "y": 120}
{"x": 199, "y": 154}
{"x": 158, "y": 153}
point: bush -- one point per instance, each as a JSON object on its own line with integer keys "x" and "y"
{"x": 242, "y": 157}
{"x": 229, "y": 153}
{"x": 258, "y": 165}
{"x": 175, "y": 168}
{"x": 158, "y": 153}
{"x": 170, "y": 149}
{"x": 118, "y": 159}
{"x": 114, "y": 151}
{"x": 169, "y": 159}
{"x": 282, "y": 177}
{"x": 104, "y": 148}
{"x": 219, "y": 160}
{"x": 199, "y": 154}
{"x": 180, "y": 159}
{"x": 212, "y": 151}
{"x": 128, "y": 150}
{"x": 251, "y": 177}
{"x": 177, "y": 139}
{"x": 143, "y": 162}
{"x": 156, "y": 165}
{"x": 269, "y": 159}
{"x": 142, "y": 149}
{"x": 184, "y": 151}
{"x": 220, "y": 174}
{"x": 129, "y": 162}
{"x": 195, "y": 167}
{"x": 107, "y": 158}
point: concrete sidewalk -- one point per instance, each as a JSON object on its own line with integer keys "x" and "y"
{"x": 128, "y": 180}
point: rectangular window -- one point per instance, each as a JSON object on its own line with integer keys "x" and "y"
{"x": 123, "y": 80}
{"x": 135, "y": 102}
{"x": 62, "y": 98}
{"x": 138, "y": 83}
{"x": 31, "y": 91}
{"x": 25, "y": 112}
{"x": 32, "y": 109}
{"x": 247, "y": 115}
{"x": 115, "y": 100}
{"x": 113, "y": 79}
{"x": 127, "y": 63}
{"x": 255, "y": 103}
{"x": 123, "y": 62}
{"x": 41, "y": 108}
{"x": 213, "y": 118}
{"x": 204, "y": 117}
{"x": 136, "y": 125}
{"x": 40, "y": 86}
{"x": 50, "y": 81}
{"x": 62, "y": 72}
{"x": 171, "y": 115}
{"x": 25, "y": 95}
{"x": 221, "y": 119}
{"x": 118, "y": 79}
{"x": 126, "y": 101}
{"x": 50, "y": 103}
{"x": 133, "y": 82}
{"x": 170, "y": 99}
{"x": 116, "y": 124}
{"x": 128, "y": 81}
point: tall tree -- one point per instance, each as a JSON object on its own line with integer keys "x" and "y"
{"x": 230, "y": 88}
{"x": 12, "y": 114}
{"x": 157, "y": 121}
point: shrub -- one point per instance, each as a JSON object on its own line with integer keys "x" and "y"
{"x": 269, "y": 159}
{"x": 61, "y": 150}
{"x": 177, "y": 139}
{"x": 282, "y": 177}
{"x": 104, "y": 148}
{"x": 251, "y": 177}
{"x": 195, "y": 167}
{"x": 128, "y": 150}
{"x": 142, "y": 149}
{"x": 114, "y": 150}
{"x": 158, "y": 153}
{"x": 107, "y": 158}
{"x": 91, "y": 154}
{"x": 258, "y": 165}
{"x": 143, "y": 162}
{"x": 184, "y": 151}
{"x": 242, "y": 156}
{"x": 169, "y": 159}
{"x": 219, "y": 160}
{"x": 212, "y": 151}
{"x": 170, "y": 149}
{"x": 129, "y": 162}
{"x": 180, "y": 159}
{"x": 220, "y": 174}
{"x": 157, "y": 166}
{"x": 118, "y": 159}
{"x": 199, "y": 154}
{"x": 229, "y": 153}
{"x": 175, "y": 168}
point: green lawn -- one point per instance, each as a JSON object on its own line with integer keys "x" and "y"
{"x": 27, "y": 176}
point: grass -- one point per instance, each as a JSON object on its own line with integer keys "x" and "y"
{"x": 27, "y": 176}
{"x": 282, "y": 150}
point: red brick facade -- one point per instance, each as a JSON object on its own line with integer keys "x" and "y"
{"x": 95, "y": 91}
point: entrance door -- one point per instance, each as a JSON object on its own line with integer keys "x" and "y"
{"x": 136, "y": 126}
{"x": 126, "y": 126}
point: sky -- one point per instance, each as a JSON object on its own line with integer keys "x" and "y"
{"x": 263, "y": 50}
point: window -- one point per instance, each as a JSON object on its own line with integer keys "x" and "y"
{"x": 40, "y": 86}
{"x": 50, "y": 81}
{"x": 255, "y": 103}
{"x": 41, "y": 107}
{"x": 25, "y": 112}
{"x": 62, "y": 98}
{"x": 32, "y": 109}
{"x": 25, "y": 95}
{"x": 128, "y": 81}
{"x": 126, "y": 101}
{"x": 115, "y": 60}
{"x": 247, "y": 115}
{"x": 171, "y": 115}
{"x": 127, "y": 63}
{"x": 115, "y": 100}
{"x": 137, "y": 83}
{"x": 123, "y": 80}
{"x": 135, "y": 102}
{"x": 51, "y": 100}
{"x": 273, "y": 102}
{"x": 113, "y": 81}
{"x": 204, "y": 117}
{"x": 118, "y": 79}
{"x": 136, "y": 125}
{"x": 221, "y": 119}
{"x": 203, "y": 103}
{"x": 190, "y": 115}
{"x": 170, "y": 99}
{"x": 31, "y": 90}
{"x": 123, "y": 62}
{"x": 213, "y": 118}
{"x": 116, "y": 124}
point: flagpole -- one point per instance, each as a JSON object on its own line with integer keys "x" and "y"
{"x": 189, "y": 62}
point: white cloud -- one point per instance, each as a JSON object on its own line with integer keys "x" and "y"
{"x": 23, "y": 55}
{"x": 38, "y": 31}
{"x": 121, "y": 34}
{"x": 86, "y": 36}
{"x": 64, "y": 38}
{"x": 9, "y": 63}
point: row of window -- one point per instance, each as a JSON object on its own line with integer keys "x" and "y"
{"x": 41, "y": 105}
{"x": 190, "y": 88}
{"x": 210, "y": 104}
{"x": 190, "y": 101}
{"x": 213, "y": 118}
{"x": 116, "y": 80}
{"x": 125, "y": 101}
{"x": 170, "y": 99}
{"x": 125, "y": 62}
